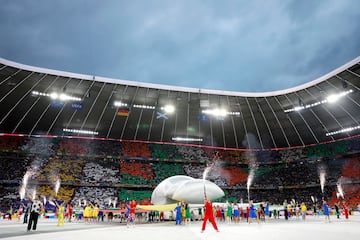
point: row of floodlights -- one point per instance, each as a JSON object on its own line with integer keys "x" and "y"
{"x": 57, "y": 96}
{"x": 87, "y": 132}
{"x": 187, "y": 139}
{"x": 330, "y": 99}
{"x": 218, "y": 112}
{"x": 344, "y": 130}
{"x": 168, "y": 108}
{"x": 78, "y": 131}
{"x": 121, "y": 104}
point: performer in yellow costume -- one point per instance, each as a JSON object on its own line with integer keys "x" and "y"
{"x": 61, "y": 217}
{"x": 95, "y": 213}
{"x": 87, "y": 213}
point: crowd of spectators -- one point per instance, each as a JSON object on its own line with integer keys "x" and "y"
{"x": 192, "y": 154}
{"x": 101, "y": 172}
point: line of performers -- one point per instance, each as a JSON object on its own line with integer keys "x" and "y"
{"x": 232, "y": 212}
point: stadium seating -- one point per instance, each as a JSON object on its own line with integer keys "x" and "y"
{"x": 99, "y": 170}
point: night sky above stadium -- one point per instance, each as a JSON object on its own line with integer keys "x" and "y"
{"x": 247, "y": 46}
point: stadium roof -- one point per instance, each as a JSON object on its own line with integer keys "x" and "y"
{"x": 36, "y": 101}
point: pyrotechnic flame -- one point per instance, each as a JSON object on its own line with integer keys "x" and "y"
{"x": 322, "y": 180}
{"x": 206, "y": 173}
{"x": 26, "y": 179}
{"x": 34, "y": 194}
{"x": 24, "y": 184}
{"x": 250, "y": 178}
{"x": 22, "y": 192}
{"x": 252, "y": 164}
{"x": 57, "y": 186}
{"x": 340, "y": 190}
{"x": 249, "y": 181}
{"x": 207, "y": 170}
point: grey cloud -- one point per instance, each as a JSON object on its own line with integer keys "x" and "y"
{"x": 232, "y": 45}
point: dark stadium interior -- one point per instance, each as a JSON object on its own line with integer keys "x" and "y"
{"x": 261, "y": 122}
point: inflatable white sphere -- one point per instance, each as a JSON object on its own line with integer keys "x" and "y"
{"x": 184, "y": 188}
{"x": 163, "y": 192}
{"x": 193, "y": 191}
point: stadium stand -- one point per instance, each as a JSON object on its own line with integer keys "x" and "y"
{"x": 123, "y": 171}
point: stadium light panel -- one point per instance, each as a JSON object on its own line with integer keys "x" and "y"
{"x": 143, "y": 106}
{"x": 343, "y": 130}
{"x": 330, "y": 99}
{"x": 86, "y": 132}
{"x": 187, "y": 139}
{"x": 56, "y": 96}
{"x": 233, "y": 113}
{"x": 217, "y": 112}
{"x": 119, "y": 104}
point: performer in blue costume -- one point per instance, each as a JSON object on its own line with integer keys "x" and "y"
{"x": 127, "y": 215}
{"x": 253, "y": 212}
{"x": 267, "y": 210}
{"x": 326, "y": 211}
{"x": 178, "y": 214}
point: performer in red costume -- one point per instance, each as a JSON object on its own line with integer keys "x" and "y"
{"x": 209, "y": 215}
{"x": 132, "y": 212}
{"x": 346, "y": 210}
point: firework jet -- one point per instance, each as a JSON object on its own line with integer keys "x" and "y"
{"x": 249, "y": 181}
{"x": 57, "y": 186}
{"x": 205, "y": 174}
{"x": 26, "y": 179}
{"x": 252, "y": 169}
{"x": 24, "y": 185}
{"x": 34, "y": 194}
{"x": 208, "y": 169}
{"x": 22, "y": 192}
{"x": 340, "y": 190}
{"x": 322, "y": 180}
{"x": 251, "y": 142}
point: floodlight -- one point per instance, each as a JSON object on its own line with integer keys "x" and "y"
{"x": 53, "y": 95}
{"x": 119, "y": 104}
{"x": 169, "y": 108}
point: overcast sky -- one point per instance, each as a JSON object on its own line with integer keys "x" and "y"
{"x": 247, "y": 46}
